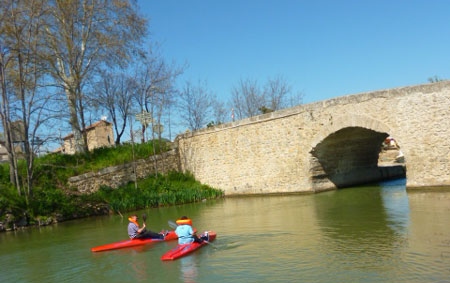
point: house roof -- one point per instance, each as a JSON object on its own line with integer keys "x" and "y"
{"x": 90, "y": 128}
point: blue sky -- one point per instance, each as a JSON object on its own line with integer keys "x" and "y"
{"x": 323, "y": 48}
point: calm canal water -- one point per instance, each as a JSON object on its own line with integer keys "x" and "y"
{"x": 376, "y": 233}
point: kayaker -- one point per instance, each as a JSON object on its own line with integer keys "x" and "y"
{"x": 185, "y": 233}
{"x": 134, "y": 232}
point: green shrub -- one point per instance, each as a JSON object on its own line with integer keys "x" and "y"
{"x": 173, "y": 188}
{"x": 11, "y": 202}
{"x": 48, "y": 201}
{"x": 51, "y": 196}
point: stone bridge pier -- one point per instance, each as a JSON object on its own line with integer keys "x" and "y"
{"x": 326, "y": 145}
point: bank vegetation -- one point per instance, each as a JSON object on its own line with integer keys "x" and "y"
{"x": 53, "y": 200}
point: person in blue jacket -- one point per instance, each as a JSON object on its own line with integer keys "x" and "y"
{"x": 185, "y": 233}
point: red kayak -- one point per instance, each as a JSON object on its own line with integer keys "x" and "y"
{"x": 133, "y": 243}
{"x": 182, "y": 250}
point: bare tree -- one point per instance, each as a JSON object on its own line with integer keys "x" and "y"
{"x": 195, "y": 105}
{"x": 22, "y": 99}
{"x": 434, "y": 79}
{"x": 5, "y": 115}
{"x": 295, "y": 99}
{"x": 220, "y": 112}
{"x": 155, "y": 88}
{"x": 113, "y": 94}
{"x": 83, "y": 36}
{"x": 247, "y": 98}
{"x": 275, "y": 93}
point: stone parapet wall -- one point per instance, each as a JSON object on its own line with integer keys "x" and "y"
{"x": 116, "y": 176}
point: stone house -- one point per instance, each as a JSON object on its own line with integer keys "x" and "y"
{"x": 3, "y": 152}
{"x": 18, "y": 137}
{"x": 99, "y": 134}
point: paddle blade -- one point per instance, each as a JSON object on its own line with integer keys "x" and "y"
{"x": 144, "y": 217}
{"x": 172, "y": 224}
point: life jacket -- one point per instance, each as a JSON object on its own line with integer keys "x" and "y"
{"x": 184, "y": 222}
{"x": 135, "y": 222}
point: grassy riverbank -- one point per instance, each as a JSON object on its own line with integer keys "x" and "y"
{"x": 51, "y": 200}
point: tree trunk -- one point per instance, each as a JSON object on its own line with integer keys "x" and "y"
{"x": 78, "y": 139}
{"x": 4, "y": 114}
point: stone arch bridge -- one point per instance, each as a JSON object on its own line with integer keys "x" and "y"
{"x": 326, "y": 145}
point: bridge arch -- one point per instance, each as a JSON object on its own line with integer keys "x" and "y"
{"x": 351, "y": 120}
{"x": 346, "y": 152}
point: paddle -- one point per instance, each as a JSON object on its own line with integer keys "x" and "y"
{"x": 174, "y": 226}
{"x": 144, "y": 218}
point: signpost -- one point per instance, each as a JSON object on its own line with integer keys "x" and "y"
{"x": 145, "y": 118}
